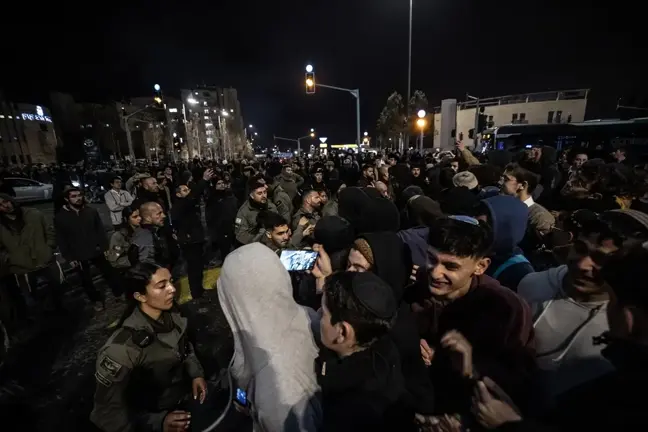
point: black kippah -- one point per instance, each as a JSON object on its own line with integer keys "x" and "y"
{"x": 374, "y": 294}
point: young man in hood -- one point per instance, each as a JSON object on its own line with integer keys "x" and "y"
{"x": 507, "y": 217}
{"x": 470, "y": 326}
{"x": 274, "y": 344}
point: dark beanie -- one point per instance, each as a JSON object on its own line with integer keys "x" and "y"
{"x": 334, "y": 233}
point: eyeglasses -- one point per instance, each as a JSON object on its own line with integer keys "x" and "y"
{"x": 466, "y": 219}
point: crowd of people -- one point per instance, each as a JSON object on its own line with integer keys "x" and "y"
{"x": 451, "y": 291}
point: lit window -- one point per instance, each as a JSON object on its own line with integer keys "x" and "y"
{"x": 206, "y": 117}
{"x": 209, "y": 124}
{"x": 10, "y": 117}
{"x": 1, "y": 116}
{"x": 107, "y": 125}
{"x": 206, "y": 110}
{"x": 173, "y": 110}
{"x": 205, "y": 103}
{"x": 210, "y": 140}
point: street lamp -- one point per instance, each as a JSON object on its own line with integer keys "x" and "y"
{"x": 251, "y": 126}
{"x": 309, "y": 68}
{"x": 256, "y": 134}
{"x": 366, "y": 133}
{"x": 421, "y": 124}
{"x": 225, "y": 113}
{"x": 192, "y": 101}
{"x": 156, "y": 87}
{"x": 421, "y": 114}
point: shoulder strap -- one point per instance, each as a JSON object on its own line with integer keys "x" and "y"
{"x": 515, "y": 259}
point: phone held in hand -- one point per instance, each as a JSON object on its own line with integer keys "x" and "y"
{"x": 240, "y": 398}
{"x": 298, "y": 260}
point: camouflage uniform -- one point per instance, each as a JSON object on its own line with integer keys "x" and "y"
{"x": 142, "y": 374}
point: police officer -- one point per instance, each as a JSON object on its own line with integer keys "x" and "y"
{"x": 147, "y": 372}
{"x": 311, "y": 205}
{"x": 245, "y": 226}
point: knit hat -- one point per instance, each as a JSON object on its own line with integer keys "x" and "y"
{"x": 362, "y": 246}
{"x": 465, "y": 179}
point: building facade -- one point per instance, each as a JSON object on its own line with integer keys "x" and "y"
{"x": 530, "y": 108}
{"x": 214, "y": 123}
{"x": 27, "y": 134}
{"x": 154, "y": 132}
{"x": 86, "y": 131}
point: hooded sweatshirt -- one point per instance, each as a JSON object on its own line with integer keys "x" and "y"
{"x": 508, "y": 216}
{"x": 274, "y": 348}
{"x": 564, "y": 329}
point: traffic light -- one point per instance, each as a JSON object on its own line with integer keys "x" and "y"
{"x": 310, "y": 82}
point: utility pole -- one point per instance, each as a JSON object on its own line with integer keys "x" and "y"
{"x": 475, "y": 131}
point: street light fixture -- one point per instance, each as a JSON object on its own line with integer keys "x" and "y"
{"x": 421, "y": 114}
{"x": 421, "y": 124}
{"x": 366, "y": 133}
{"x": 225, "y": 113}
{"x": 156, "y": 87}
{"x": 251, "y": 126}
{"x": 312, "y": 130}
{"x": 192, "y": 101}
{"x": 309, "y": 68}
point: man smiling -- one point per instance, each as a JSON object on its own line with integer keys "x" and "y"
{"x": 470, "y": 325}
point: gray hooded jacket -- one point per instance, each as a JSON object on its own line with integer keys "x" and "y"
{"x": 274, "y": 347}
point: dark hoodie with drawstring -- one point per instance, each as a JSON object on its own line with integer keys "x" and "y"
{"x": 508, "y": 217}
{"x": 392, "y": 264}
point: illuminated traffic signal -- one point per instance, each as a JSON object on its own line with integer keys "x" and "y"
{"x": 310, "y": 82}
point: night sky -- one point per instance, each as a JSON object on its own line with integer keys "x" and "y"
{"x": 102, "y": 51}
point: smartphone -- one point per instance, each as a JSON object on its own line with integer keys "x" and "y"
{"x": 241, "y": 398}
{"x": 298, "y": 260}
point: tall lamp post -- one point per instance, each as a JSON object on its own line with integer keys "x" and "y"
{"x": 421, "y": 123}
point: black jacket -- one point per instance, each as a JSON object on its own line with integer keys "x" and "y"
{"x": 363, "y": 392}
{"x": 185, "y": 214}
{"x": 80, "y": 236}
{"x": 220, "y": 212}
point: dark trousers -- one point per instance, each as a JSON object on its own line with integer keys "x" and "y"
{"x": 194, "y": 256}
{"x": 222, "y": 243}
{"x": 22, "y": 292}
{"x": 107, "y": 272}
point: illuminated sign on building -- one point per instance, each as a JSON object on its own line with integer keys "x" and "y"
{"x": 39, "y": 116}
